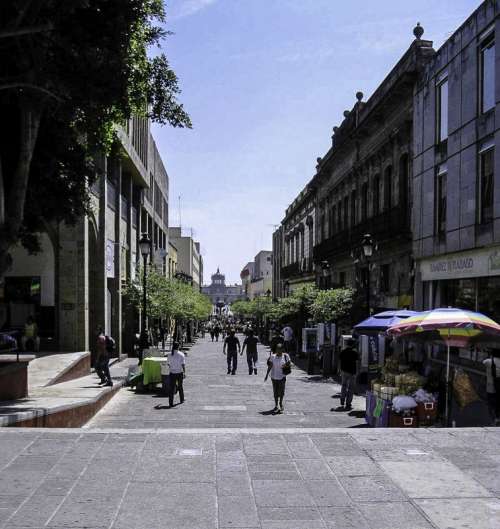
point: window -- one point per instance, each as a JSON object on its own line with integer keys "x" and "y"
{"x": 485, "y": 188}
{"x": 339, "y": 216}
{"x": 388, "y": 188}
{"x": 342, "y": 279}
{"x": 442, "y": 109}
{"x": 334, "y": 219}
{"x": 322, "y": 227}
{"x": 353, "y": 208}
{"x": 440, "y": 201}
{"x": 364, "y": 202}
{"x": 385, "y": 274}
{"x": 487, "y": 74}
{"x": 346, "y": 212}
{"x": 376, "y": 195}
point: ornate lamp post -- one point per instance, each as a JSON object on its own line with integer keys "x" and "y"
{"x": 145, "y": 248}
{"x": 325, "y": 269}
{"x": 367, "y": 246}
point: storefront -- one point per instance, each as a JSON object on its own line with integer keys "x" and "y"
{"x": 468, "y": 280}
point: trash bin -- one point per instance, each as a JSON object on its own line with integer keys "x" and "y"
{"x": 327, "y": 351}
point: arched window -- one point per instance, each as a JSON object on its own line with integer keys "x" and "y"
{"x": 404, "y": 174}
{"x": 376, "y": 195}
{"x": 388, "y": 188}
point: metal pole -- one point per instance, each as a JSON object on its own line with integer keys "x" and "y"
{"x": 447, "y": 403}
{"x": 368, "y": 289}
{"x": 144, "y": 302}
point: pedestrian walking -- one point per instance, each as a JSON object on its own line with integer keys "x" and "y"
{"x": 232, "y": 346}
{"x": 348, "y": 364}
{"x": 287, "y": 333}
{"x": 177, "y": 365}
{"x": 104, "y": 346}
{"x": 250, "y": 343}
{"x": 492, "y": 366}
{"x": 216, "y": 332}
{"x": 279, "y": 366}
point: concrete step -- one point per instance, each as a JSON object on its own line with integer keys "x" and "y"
{"x": 67, "y": 404}
{"x": 53, "y": 368}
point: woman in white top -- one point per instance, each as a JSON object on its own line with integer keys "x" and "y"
{"x": 492, "y": 365}
{"x": 278, "y": 364}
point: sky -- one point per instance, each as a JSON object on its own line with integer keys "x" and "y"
{"x": 264, "y": 82}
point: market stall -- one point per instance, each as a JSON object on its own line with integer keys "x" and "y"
{"x": 454, "y": 328}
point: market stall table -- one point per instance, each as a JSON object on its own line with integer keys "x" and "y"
{"x": 152, "y": 369}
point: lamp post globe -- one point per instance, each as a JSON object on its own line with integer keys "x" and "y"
{"x": 367, "y": 245}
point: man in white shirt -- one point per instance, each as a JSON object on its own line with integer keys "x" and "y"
{"x": 492, "y": 366}
{"x": 287, "y": 333}
{"x": 177, "y": 365}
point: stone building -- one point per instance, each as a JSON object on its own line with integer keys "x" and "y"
{"x": 456, "y": 170}
{"x": 261, "y": 281}
{"x": 278, "y": 263}
{"x": 246, "y": 276}
{"x": 74, "y": 285}
{"x": 189, "y": 258}
{"x": 221, "y": 294}
{"x": 298, "y": 242}
{"x": 362, "y": 188}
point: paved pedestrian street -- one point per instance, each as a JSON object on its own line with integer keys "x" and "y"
{"x": 217, "y": 463}
{"x": 215, "y": 399}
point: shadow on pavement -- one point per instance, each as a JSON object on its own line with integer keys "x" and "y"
{"x": 268, "y": 412}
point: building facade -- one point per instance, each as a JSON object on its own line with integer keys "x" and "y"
{"x": 246, "y": 276}
{"x": 261, "y": 281}
{"x": 298, "y": 228}
{"x": 189, "y": 258}
{"x": 74, "y": 285}
{"x": 221, "y": 294}
{"x": 456, "y": 170}
{"x": 278, "y": 263}
{"x": 363, "y": 187}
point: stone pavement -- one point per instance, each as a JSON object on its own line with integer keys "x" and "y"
{"x": 259, "y": 479}
{"x": 217, "y": 400}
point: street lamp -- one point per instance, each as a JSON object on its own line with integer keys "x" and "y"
{"x": 325, "y": 269}
{"x": 145, "y": 248}
{"x": 367, "y": 245}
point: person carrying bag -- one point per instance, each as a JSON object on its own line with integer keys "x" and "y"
{"x": 279, "y": 366}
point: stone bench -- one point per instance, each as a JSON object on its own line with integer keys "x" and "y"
{"x": 14, "y": 375}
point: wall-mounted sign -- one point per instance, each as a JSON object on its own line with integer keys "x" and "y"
{"x": 478, "y": 263}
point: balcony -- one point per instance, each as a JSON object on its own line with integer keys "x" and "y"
{"x": 390, "y": 224}
{"x": 297, "y": 269}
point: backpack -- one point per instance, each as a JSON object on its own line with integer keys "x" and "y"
{"x": 110, "y": 344}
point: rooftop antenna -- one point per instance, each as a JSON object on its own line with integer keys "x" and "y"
{"x": 180, "y": 214}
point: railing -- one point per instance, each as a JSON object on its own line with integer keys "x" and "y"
{"x": 389, "y": 224}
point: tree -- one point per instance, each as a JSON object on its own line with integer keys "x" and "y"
{"x": 298, "y": 304}
{"x": 167, "y": 298}
{"x": 71, "y": 71}
{"x": 333, "y": 304}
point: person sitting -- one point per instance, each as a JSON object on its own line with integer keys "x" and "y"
{"x": 30, "y": 334}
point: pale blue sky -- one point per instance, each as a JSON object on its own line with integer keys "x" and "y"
{"x": 264, "y": 82}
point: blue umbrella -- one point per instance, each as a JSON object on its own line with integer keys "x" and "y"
{"x": 382, "y": 321}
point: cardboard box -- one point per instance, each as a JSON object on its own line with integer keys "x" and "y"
{"x": 427, "y": 413}
{"x": 403, "y": 421}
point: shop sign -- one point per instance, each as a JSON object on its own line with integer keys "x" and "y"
{"x": 463, "y": 265}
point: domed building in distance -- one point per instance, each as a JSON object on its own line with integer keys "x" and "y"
{"x": 221, "y": 294}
